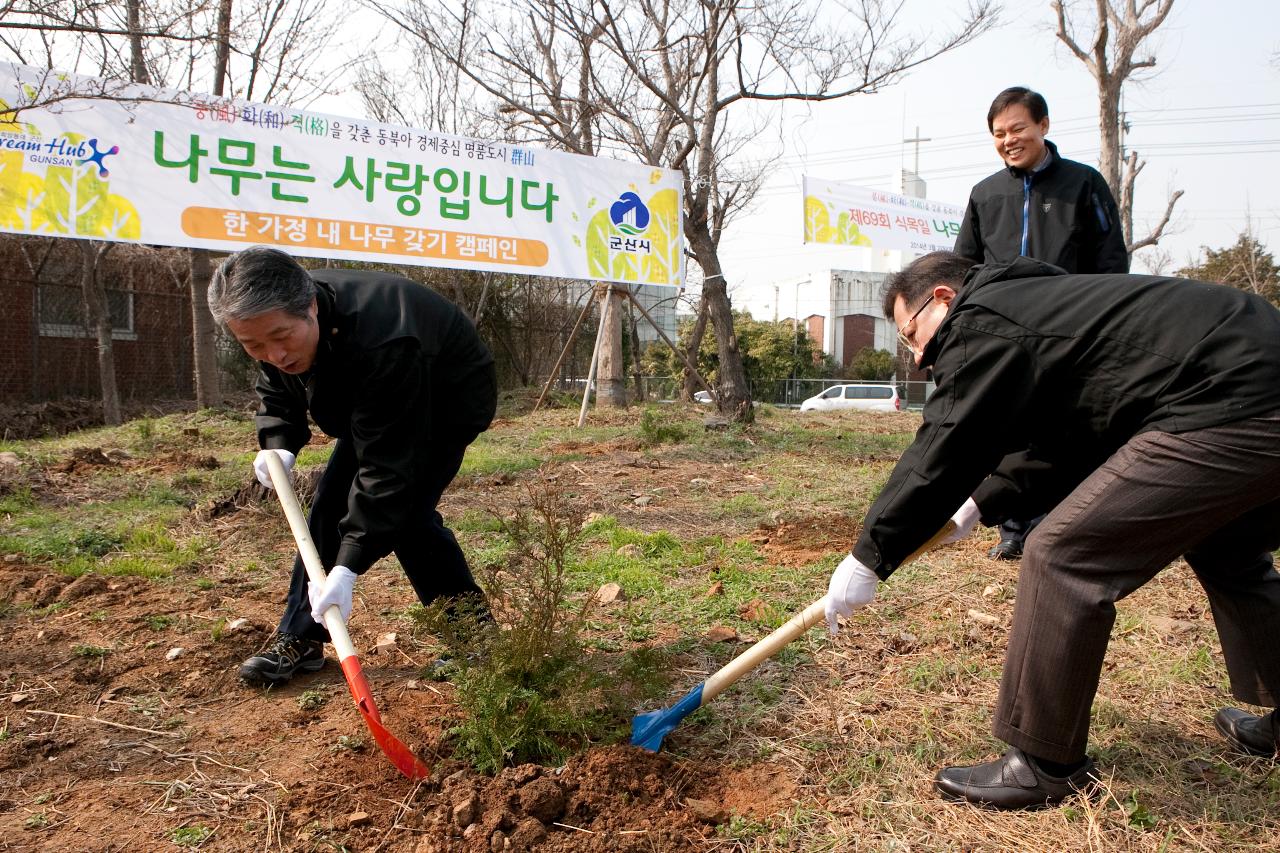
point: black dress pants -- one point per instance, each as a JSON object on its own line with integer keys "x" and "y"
{"x": 427, "y": 550}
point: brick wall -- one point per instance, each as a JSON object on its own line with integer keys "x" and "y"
{"x": 58, "y": 358}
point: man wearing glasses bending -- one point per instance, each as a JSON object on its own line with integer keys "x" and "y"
{"x": 1150, "y": 412}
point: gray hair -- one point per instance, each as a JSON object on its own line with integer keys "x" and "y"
{"x": 258, "y": 280}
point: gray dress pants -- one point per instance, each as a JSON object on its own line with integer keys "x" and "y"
{"x": 1211, "y": 496}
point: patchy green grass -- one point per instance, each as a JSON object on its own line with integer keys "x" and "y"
{"x": 845, "y": 732}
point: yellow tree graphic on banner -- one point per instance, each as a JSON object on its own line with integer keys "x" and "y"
{"x": 818, "y": 227}
{"x": 68, "y": 200}
{"x": 656, "y": 260}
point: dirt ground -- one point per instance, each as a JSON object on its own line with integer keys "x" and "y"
{"x": 124, "y": 727}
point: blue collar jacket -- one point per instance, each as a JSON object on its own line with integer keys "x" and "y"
{"x": 1063, "y": 214}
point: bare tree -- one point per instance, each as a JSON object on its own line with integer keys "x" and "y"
{"x": 658, "y": 82}
{"x": 266, "y": 50}
{"x": 1114, "y": 31}
{"x": 98, "y": 319}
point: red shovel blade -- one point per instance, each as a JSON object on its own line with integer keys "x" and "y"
{"x": 399, "y": 754}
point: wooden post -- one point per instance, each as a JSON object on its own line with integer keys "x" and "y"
{"x": 611, "y": 384}
{"x": 591, "y": 371}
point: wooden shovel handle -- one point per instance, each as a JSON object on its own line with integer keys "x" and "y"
{"x": 794, "y": 627}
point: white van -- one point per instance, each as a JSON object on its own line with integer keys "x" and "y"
{"x": 869, "y": 398}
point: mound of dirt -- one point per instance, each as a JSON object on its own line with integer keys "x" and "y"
{"x": 84, "y": 459}
{"x": 799, "y": 542}
{"x": 608, "y": 799}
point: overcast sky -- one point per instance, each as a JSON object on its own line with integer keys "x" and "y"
{"x": 1207, "y": 122}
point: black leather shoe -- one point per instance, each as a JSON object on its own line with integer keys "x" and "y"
{"x": 1247, "y": 733}
{"x": 289, "y": 655}
{"x": 1012, "y": 781}
{"x": 1006, "y": 549}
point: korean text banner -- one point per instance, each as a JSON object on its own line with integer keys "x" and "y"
{"x": 112, "y": 161}
{"x": 848, "y": 215}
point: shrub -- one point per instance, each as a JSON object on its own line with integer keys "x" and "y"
{"x": 528, "y": 689}
{"x": 657, "y": 429}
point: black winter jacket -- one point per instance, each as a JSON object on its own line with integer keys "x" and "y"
{"x": 1072, "y": 219}
{"x": 1066, "y": 368}
{"x": 399, "y": 372}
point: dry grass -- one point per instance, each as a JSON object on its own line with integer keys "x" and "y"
{"x": 908, "y": 688}
{"x": 848, "y": 732}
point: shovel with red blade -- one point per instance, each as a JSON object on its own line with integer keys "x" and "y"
{"x": 401, "y": 756}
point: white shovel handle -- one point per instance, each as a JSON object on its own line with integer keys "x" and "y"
{"x": 307, "y": 551}
{"x": 792, "y": 628}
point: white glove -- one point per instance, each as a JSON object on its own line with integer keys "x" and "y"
{"x": 336, "y": 589}
{"x": 852, "y": 587}
{"x": 263, "y": 472}
{"x": 965, "y": 519}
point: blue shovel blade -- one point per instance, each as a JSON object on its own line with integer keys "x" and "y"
{"x": 648, "y": 730}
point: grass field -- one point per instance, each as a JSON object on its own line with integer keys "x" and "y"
{"x": 120, "y": 545}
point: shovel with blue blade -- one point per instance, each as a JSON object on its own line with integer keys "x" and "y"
{"x": 648, "y": 729}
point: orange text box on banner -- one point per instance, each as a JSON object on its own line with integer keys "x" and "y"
{"x": 212, "y": 223}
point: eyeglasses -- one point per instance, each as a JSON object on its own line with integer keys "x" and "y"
{"x": 902, "y": 332}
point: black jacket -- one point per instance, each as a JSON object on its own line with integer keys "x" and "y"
{"x": 1066, "y": 368}
{"x": 399, "y": 372}
{"x": 1072, "y": 219}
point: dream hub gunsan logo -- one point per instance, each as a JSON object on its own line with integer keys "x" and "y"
{"x": 629, "y": 214}
{"x": 98, "y": 158}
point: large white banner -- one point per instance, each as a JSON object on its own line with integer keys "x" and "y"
{"x": 104, "y": 160}
{"x": 850, "y": 215}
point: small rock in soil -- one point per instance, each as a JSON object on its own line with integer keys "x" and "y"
{"x": 631, "y": 550}
{"x": 175, "y": 653}
{"x": 526, "y": 834}
{"x": 984, "y": 618}
{"x": 358, "y": 819}
{"x": 466, "y": 812}
{"x": 498, "y": 841}
{"x": 715, "y": 589}
{"x": 705, "y": 810}
{"x": 543, "y": 799}
{"x": 609, "y": 593}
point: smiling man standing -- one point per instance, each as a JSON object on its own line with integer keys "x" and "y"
{"x": 1040, "y": 206}
{"x": 397, "y": 374}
